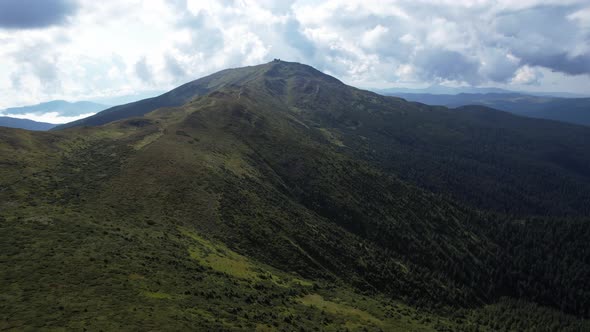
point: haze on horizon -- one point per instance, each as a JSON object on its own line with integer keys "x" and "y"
{"x": 87, "y": 50}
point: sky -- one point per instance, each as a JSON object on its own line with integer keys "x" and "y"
{"x": 96, "y": 50}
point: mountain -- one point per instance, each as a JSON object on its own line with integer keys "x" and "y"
{"x": 571, "y": 110}
{"x": 277, "y": 197}
{"x": 63, "y": 108}
{"x": 446, "y": 90}
{"x": 6, "y": 121}
{"x": 176, "y": 97}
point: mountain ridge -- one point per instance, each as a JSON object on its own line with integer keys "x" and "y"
{"x": 284, "y": 198}
{"x": 6, "y": 121}
{"x": 62, "y": 107}
{"x": 445, "y": 90}
{"x": 570, "y": 110}
{"x": 175, "y": 97}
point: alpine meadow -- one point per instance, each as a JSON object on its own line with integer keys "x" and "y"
{"x": 273, "y": 196}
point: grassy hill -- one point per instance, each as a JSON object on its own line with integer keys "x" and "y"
{"x": 278, "y": 198}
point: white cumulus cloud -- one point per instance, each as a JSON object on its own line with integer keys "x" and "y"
{"x": 104, "y": 48}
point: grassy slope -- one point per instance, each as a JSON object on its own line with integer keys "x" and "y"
{"x": 231, "y": 212}
{"x": 72, "y": 260}
{"x": 487, "y": 159}
{"x": 176, "y": 97}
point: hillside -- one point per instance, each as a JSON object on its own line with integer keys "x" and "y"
{"x": 276, "y": 197}
{"x": 6, "y": 121}
{"x": 176, "y": 97}
{"x": 570, "y": 110}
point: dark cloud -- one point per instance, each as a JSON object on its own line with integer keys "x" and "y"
{"x": 544, "y": 36}
{"x": 31, "y": 14}
{"x": 562, "y": 62}
{"x": 497, "y": 66}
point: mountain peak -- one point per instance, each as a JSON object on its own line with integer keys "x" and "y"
{"x": 277, "y": 77}
{"x": 285, "y": 70}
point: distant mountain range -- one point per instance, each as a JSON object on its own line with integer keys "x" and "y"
{"x": 571, "y": 110}
{"x": 6, "y": 121}
{"x": 12, "y": 117}
{"x": 62, "y": 107}
{"x": 445, "y": 90}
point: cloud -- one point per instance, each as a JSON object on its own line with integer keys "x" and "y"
{"x": 111, "y": 48}
{"x": 143, "y": 71}
{"x": 582, "y": 17}
{"x": 562, "y": 62}
{"x": 31, "y": 14}
{"x": 547, "y": 36}
{"x": 39, "y": 60}
{"x": 174, "y": 68}
{"x": 438, "y": 65}
{"x": 294, "y": 37}
{"x": 372, "y": 38}
{"x": 527, "y": 76}
{"x": 51, "y": 117}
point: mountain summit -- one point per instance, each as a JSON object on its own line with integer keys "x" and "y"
{"x": 246, "y": 76}
{"x": 276, "y": 196}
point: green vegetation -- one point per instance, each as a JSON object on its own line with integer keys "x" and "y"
{"x": 285, "y": 200}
